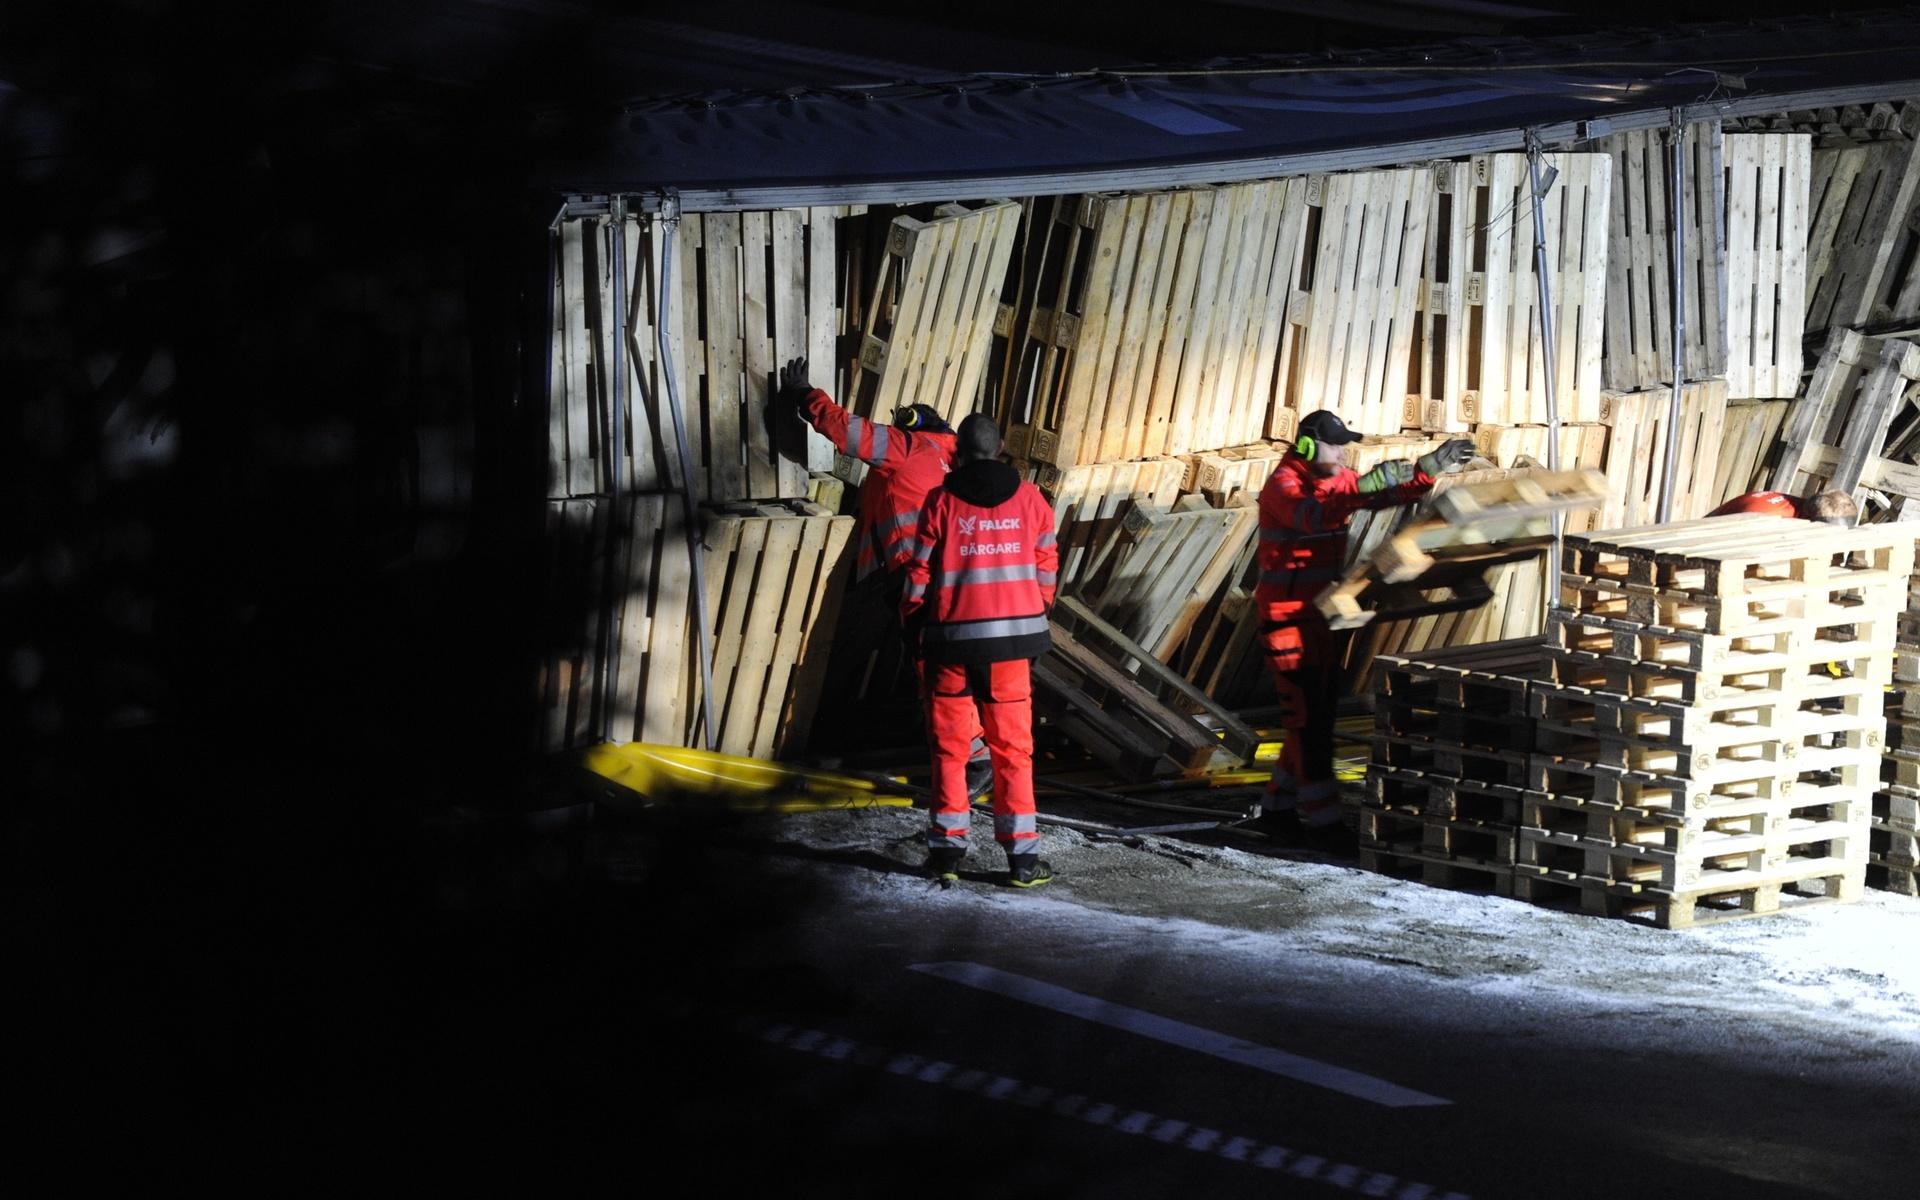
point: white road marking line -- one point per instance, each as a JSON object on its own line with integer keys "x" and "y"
{"x": 1345, "y": 1176}
{"x": 1179, "y": 1033}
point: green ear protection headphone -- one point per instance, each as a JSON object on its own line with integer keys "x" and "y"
{"x": 1307, "y": 447}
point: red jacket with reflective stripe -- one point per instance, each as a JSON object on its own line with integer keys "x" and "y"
{"x": 905, "y": 467}
{"x": 1777, "y": 504}
{"x": 982, "y": 574}
{"x": 1303, "y": 531}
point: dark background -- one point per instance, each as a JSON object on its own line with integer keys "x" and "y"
{"x": 271, "y": 462}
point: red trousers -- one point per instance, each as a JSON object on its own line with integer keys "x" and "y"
{"x": 1305, "y": 662}
{"x": 996, "y": 698}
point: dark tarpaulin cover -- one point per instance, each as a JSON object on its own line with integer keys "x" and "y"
{"x": 997, "y": 126}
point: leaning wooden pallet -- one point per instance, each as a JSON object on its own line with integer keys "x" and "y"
{"x": 1360, "y": 283}
{"x": 768, "y": 655}
{"x": 1834, "y": 436}
{"x": 1868, "y": 192}
{"x": 1088, "y": 503}
{"x": 1147, "y": 572}
{"x": 1639, "y": 321}
{"x": 1637, "y": 452}
{"x": 751, "y": 290}
{"x": 1768, "y": 182}
{"x": 1482, "y": 355}
{"x": 1750, "y": 433}
{"x": 1700, "y": 757}
{"x": 937, "y": 294}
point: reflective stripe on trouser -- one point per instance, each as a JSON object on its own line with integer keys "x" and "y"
{"x": 1320, "y": 804}
{"x": 997, "y": 698}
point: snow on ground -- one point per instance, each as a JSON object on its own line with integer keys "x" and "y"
{"x": 1827, "y": 976}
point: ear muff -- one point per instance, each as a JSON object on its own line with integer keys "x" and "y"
{"x": 1307, "y": 447}
{"x": 906, "y": 418}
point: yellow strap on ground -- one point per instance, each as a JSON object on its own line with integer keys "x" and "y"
{"x": 673, "y": 775}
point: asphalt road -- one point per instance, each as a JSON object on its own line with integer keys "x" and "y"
{"x": 725, "y": 1007}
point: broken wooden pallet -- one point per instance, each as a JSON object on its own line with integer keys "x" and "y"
{"x": 1481, "y": 356}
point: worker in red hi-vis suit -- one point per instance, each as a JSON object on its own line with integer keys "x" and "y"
{"x": 1830, "y": 507}
{"x": 1304, "y": 509}
{"x": 979, "y": 587}
{"x": 907, "y": 460}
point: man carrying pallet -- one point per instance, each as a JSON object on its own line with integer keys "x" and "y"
{"x": 980, "y": 583}
{"x": 1304, "y": 509}
{"x": 907, "y": 460}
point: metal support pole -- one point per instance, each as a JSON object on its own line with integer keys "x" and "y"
{"x": 670, "y": 218}
{"x": 1676, "y": 132}
{"x": 1543, "y": 279}
{"x": 616, "y": 448}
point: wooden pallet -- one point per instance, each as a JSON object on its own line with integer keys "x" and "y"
{"x": 1154, "y": 321}
{"x": 1768, "y": 177}
{"x": 1835, "y": 435}
{"x": 1787, "y": 658}
{"x": 928, "y": 334}
{"x": 1462, "y": 841}
{"x": 751, "y": 290}
{"x": 1473, "y": 527}
{"x": 1570, "y": 717}
{"x": 1731, "y": 898}
{"x": 1750, "y": 431}
{"x": 1443, "y": 796}
{"x": 1505, "y": 445}
{"x": 1088, "y": 503}
{"x": 1361, "y": 277}
{"x": 1637, "y": 452}
{"x": 1864, "y": 194}
{"x": 1741, "y": 573}
{"x": 1152, "y": 572}
{"x": 1118, "y": 718}
{"x": 1481, "y": 357}
{"x": 1457, "y": 875}
{"x": 1224, "y": 474}
{"x": 1639, "y": 322}
{"x": 1698, "y": 852}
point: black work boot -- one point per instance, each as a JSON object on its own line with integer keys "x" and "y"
{"x": 943, "y": 863}
{"x": 1028, "y": 870}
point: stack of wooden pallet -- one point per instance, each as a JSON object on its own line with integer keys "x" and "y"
{"x": 1711, "y": 735}
{"x": 1444, "y": 790}
{"x": 1893, "y": 862}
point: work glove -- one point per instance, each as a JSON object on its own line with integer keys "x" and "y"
{"x": 1387, "y": 475}
{"x": 1450, "y": 456}
{"x": 791, "y": 397}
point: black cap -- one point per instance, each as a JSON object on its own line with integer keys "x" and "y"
{"x": 1326, "y": 428}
